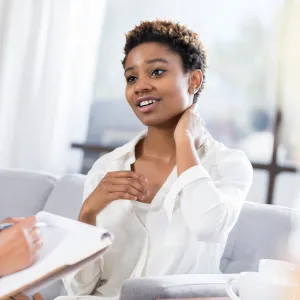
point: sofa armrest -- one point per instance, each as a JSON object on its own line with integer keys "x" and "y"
{"x": 176, "y": 286}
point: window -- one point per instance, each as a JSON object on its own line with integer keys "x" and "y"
{"x": 239, "y": 99}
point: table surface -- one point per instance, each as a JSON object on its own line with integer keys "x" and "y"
{"x": 212, "y": 298}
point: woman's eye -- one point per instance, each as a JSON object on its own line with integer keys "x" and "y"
{"x": 131, "y": 79}
{"x": 158, "y": 72}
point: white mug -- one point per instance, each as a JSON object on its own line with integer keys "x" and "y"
{"x": 278, "y": 271}
{"x": 252, "y": 286}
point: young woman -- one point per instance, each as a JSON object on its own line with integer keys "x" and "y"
{"x": 171, "y": 195}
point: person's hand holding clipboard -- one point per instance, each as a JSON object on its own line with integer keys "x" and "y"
{"x": 19, "y": 243}
{"x": 29, "y": 266}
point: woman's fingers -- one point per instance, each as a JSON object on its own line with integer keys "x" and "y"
{"x": 126, "y": 174}
{"x": 122, "y": 195}
{"x": 126, "y": 185}
{"x": 136, "y": 184}
{"x": 125, "y": 188}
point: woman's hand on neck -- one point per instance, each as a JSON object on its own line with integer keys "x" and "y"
{"x": 189, "y": 135}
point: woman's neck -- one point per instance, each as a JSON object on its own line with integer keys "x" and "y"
{"x": 160, "y": 143}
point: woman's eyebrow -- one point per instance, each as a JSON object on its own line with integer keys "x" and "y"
{"x": 150, "y": 61}
{"x": 129, "y": 69}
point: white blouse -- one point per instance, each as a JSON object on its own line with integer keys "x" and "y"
{"x": 183, "y": 231}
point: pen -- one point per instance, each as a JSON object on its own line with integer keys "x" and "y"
{"x": 8, "y": 225}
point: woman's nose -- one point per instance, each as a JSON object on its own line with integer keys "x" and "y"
{"x": 142, "y": 86}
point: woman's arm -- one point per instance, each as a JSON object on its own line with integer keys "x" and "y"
{"x": 85, "y": 280}
{"x": 97, "y": 196}
{"x": 190, "y": 134}
{"x": 186, "y": 155}
{"x": 211, "y": 207}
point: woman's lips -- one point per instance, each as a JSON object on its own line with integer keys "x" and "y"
{"x": 148, "y": 108}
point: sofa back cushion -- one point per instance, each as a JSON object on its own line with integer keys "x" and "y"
{"x": 262, "y": 231}
{"x": 23, "y": 193}
{"x": 66, "y": 199}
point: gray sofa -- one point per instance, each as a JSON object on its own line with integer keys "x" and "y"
{"x": 262, "y": 231}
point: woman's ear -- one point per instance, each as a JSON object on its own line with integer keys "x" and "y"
{"x": 195, "y": 81}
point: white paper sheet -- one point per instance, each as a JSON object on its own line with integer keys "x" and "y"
{"x": 67, "y": 244}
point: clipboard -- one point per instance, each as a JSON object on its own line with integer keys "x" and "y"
{"x": 68, "y": 245}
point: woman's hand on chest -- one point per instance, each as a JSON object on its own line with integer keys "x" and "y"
{"x": 117, "y": 185}
{"x": 157, "y": 172}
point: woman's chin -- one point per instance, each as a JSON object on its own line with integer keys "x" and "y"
{"x": 151, "y": 123}
{"x": 157, "y": 122}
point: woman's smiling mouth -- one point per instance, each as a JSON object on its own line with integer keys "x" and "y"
{"x": 147, "y": 104}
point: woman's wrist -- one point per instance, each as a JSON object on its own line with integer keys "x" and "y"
{"x": 184, "y": 140}
{"x": 87, "y": 215}
{"x": 186, "y": 154}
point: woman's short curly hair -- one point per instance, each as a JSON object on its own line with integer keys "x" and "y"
{"x": 177, "y": 37}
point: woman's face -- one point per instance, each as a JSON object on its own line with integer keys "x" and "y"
{"x": 157, "y": 88}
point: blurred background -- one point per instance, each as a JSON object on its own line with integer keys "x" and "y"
{"x": 62, "y": 102}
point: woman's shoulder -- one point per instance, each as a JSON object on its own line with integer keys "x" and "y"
{"x": 216, "y": 151}
{"x": 220, "y": 155}
{"x": 223, "y": 152}
{"x": 228, "y": 160}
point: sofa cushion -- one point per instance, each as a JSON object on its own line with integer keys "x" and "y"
{"x": 23, "y": 193}
{"x": 176, "y": 286}
{"x": 262, "y": 231}
{"x": 66, "y": 198}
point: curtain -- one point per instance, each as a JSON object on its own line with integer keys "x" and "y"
{"x": 48, "y": 60}
{"x": 289, "y": 76}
